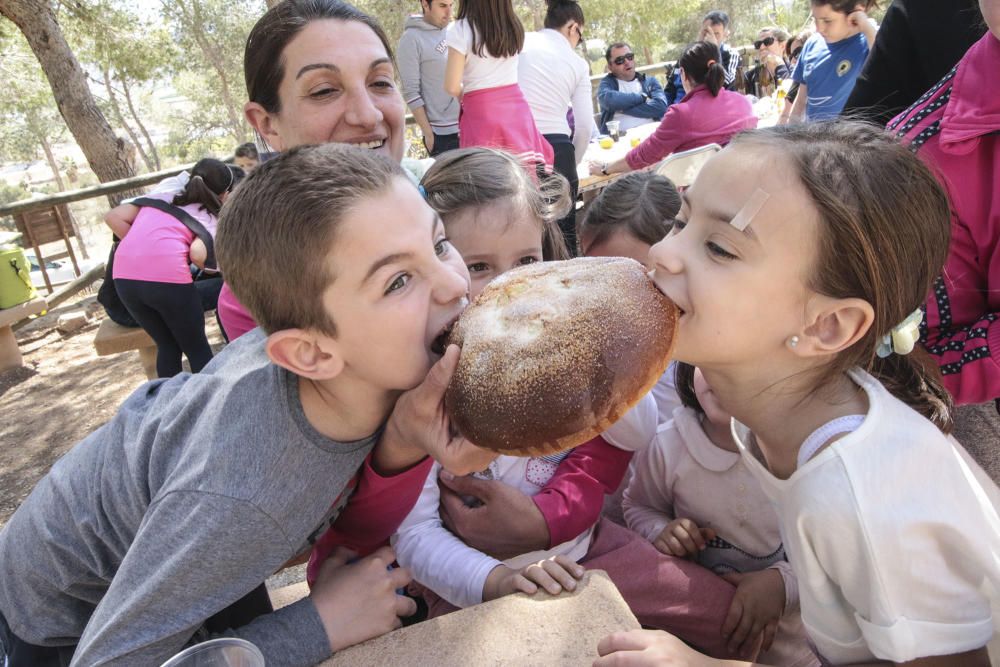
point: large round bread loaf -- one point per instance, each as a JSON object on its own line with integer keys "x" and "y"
{"x": 554, "y": 353}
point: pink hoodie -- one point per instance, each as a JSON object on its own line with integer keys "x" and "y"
{"x": 955, "y": 128}
{"x": 697, "y": 120}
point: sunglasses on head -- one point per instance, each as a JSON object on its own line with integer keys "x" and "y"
{"x": 767, "y": 41}
{"x": 620, "y": 60}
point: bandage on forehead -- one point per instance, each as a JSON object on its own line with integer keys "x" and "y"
{"x": 750, "y": 209}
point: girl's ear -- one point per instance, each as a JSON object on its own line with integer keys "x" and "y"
{"x": 262, "y": 120}
{"x": 834, "y": 325}
{"x": 306, "y": 353}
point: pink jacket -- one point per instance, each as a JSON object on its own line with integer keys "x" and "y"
{"x": 697, "y": 120}
{"x": 955, "y": 128}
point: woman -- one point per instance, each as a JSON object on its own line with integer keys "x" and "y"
{"x": 318, "y": 72}
{"x": 708, "y": 113}
{"x": 772, "y": 66}
{"x": 553, "y": 78}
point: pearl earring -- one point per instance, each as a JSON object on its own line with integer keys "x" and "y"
{"x": 793, "y": 342}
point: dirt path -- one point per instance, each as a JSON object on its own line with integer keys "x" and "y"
{"x": 63, "y": 392}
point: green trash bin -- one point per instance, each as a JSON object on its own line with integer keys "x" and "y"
{"x": 15, "y": 277}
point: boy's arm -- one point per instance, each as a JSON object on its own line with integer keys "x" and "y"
{"x": 571, "y": 501}
{"x": 611, "y": 99}
{"x": 193, "y": 555}
{"x": 437, "y": 558}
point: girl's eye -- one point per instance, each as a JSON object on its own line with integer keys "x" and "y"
{"x": 678, "y": 226}
{"x": 527, "y": 260}
{"x": 398, "y": 284}
{"x": 441, "y": 247}
{"x": 478, "y": 267}
{"x": 719, "y": 251}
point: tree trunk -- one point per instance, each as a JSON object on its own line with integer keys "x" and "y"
{"x": 272, "y": 3}
{"x": 211, "y": 51}
{"x": 142, "y": 128}
{"x": 51, "y": 159}
{"x": 106, "y": 153}
{"x": 121, "y": 119}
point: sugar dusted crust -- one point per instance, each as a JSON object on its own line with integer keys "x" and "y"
{"x": 555, "y": 353}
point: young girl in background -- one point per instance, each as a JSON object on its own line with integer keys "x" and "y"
{"x": 152, "y": 274}
{"x": 498, "y": 219}
{"x": 803, "y": 326}
{"x": 483, "y": 46}
{"x": 831, "y": 59}
{"x": 692, "y": 496}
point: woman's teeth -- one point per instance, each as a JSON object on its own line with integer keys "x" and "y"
{"x": 372, "y": 144}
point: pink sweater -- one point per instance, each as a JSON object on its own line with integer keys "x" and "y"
{"x": 157, "y": 245}
{"x": 954, "y": 129}
{"x": 697, "y": 120}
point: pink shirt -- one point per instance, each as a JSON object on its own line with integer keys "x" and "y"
{"x": 235, "y": 318}
{"x": 697, "y": 120}
{"x": 157, "y": 246}
{"x": 954, "y": 129}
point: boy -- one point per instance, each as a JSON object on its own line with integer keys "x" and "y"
{"x": 203, "y": 485}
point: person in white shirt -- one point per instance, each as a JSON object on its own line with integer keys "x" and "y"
{"x": 692, "y": 496}
{"x": 553, "y": 78}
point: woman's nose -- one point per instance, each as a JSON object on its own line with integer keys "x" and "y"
{"x": 361, "y": 110}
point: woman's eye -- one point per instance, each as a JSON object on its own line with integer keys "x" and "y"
{"x": 478, "y": 267}
{"x": 383, "y": 84}
{"x": 398, "y": 284}
{"x": 322, "y": 92}
{"x": 527, "y": 260}
{"x": 441, "y": 247}
{"x": 719, "y": 251}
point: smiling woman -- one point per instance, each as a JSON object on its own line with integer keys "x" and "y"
{"x": 318, "y": 71}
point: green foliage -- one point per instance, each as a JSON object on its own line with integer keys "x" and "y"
{"x": 27, "y": 107}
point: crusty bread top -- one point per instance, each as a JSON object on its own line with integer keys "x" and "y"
{"x": 554, "y": 353}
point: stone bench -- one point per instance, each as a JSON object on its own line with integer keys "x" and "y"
{"x": 10, "y": 355}
{"x": 113, "y": 338}
{"x": 512, "y": 630}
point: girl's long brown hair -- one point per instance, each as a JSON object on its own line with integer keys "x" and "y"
{"x": 884, "y": 233}
{"x": 496, "y": 30}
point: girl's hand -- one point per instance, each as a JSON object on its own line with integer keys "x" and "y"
{"x": 554, "y": 575}
{"x": 649, "y": 648}
{"x": 753, "y": 616}
{"x": 683, "y": 538}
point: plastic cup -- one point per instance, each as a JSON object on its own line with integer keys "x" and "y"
{"x": 222, "y": 652}
{"x": 614, "y": 129}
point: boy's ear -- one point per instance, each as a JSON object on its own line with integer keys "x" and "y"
{"x": 835, "y": 325}
{"x": 305, "y": 353}
{"x": 260, "y": 119}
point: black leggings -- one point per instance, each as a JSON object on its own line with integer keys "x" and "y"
{"x": 171, "y": 313}
{"x": 565, "y": 164}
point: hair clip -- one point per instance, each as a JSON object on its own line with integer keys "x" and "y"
{"x": 423, "y": 191}
{"x": 903, "y": 337}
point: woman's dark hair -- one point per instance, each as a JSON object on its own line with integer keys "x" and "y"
{"x": 702, "y": 64}
{"x": 561, "y": 12}
{"x": 238, "y": 174}
{"x": 642, "y": 204}
{"x": 684, "y": 384}
{"x": 209, "y": 179}
{"x": 496, "y": 30}
{"x": 263, "y": 58}
{"x": 883, "y": 238}
{"x": 846, "y": 6}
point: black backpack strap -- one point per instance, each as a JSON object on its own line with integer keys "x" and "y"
{"x": 188, "y": 220}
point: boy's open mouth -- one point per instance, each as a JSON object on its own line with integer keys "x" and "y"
{"x": 440, "y": 341}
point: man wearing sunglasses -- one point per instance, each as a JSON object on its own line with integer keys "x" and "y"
{"x": 627, "y": 96}
{"x": 771, "y": 66}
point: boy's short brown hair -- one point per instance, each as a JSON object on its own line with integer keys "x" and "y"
{"x": 276, "y": 230}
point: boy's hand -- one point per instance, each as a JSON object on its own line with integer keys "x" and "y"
{"x": 554, "y": 575}
{"x": 683, "y": 538}
{"x": 358, "y": 601}
{"x": 419, "y": 425}
{"x": 753, "y": 616}
{"x": 649, "y": 648}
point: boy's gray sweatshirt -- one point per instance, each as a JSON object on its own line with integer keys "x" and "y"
{"x": 197, "y": 490}
{"x": 422, "y": 56}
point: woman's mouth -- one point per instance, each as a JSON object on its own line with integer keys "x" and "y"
{"x": 373, "y": 144}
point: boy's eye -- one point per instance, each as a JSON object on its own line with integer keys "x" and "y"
{"x": 441, "y": 247}
{"x": 398, "y": 284}
{"x": 719, "y": 251}
{"x": 527, "y": 260}
{"x": 478, "y": 267}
